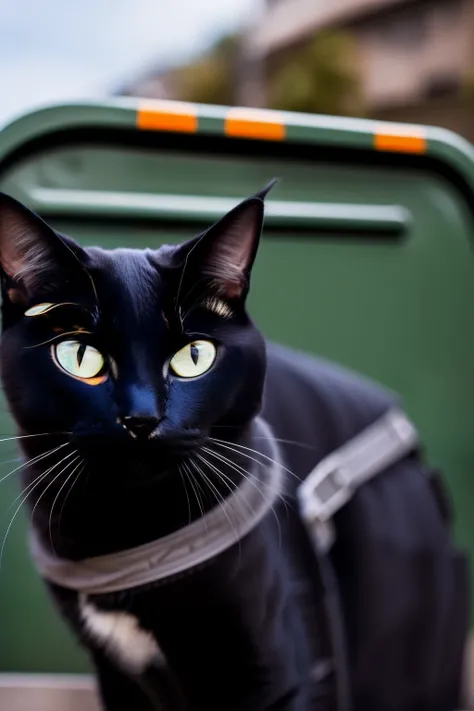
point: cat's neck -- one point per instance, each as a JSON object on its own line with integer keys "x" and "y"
{"x": 100, "y": 516}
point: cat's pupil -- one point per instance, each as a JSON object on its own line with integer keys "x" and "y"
{"x": 194, "y": 354}
{"x": 80, "y": 353}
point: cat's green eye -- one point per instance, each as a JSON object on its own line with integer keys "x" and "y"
{"x": 194, "y": 359}
{"x": 81, "y": 361}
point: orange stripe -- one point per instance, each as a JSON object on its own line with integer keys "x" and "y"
{"x": 167, "y": 116}
{"x": 400, "y": 143}
{"x": 249, "y": 123}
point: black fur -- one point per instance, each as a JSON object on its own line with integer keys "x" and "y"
{"x": 138, "y": 308}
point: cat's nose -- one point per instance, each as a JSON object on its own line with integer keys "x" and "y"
{"x": 140, "y": 426}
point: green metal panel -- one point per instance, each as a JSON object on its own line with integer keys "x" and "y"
{"x": 366, "y": 259}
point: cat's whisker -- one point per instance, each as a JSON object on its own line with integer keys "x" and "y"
{"x": 285, "y": 441}
{"x": 249, "y": 475}
{"x": 269, "y": 438}
{"x": 193, "y": 482}
{"x": 183, "y": 479}
{"x": 215, "y": 491}
{"x": 31, "y": 484}
{"x": 40, "y": 434}
{"x": 36, "y": 483}
{"x": 252, "y": 480}
{"x": 242, "y": 451}
{"x": 180, "y": 317}
{"x": 53, "y": 480}
{"x": 36, "y": 480}
{"x": 239, "y": 469}
{"x": 200, "y": 493}
{"x": 34, "y": 460}
{"x": 68, "y": 478}
{"x": 223, "y": 477}
{"x": 68, "y": 493}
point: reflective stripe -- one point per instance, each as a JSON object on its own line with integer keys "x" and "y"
{"x": 334, "y": 480}
{"x": 400, "y": 139}
{"x": 257, "y": 124}
{"x": 167, "y": 116}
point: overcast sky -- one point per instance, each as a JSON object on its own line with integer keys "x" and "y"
{"x": 56, "y": 50}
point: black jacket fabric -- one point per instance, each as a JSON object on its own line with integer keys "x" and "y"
{"x": 377, "y": 624}
{"x": 394, "y": 575}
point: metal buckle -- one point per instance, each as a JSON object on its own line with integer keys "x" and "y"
{"x": 320, "y": 497}
{"x": 334, "y": 480}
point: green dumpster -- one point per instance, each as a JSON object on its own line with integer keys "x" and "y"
{"x": 372, "y": 221}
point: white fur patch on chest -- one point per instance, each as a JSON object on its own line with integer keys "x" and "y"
{"x": 121, "y": 636}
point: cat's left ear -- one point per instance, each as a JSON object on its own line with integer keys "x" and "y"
{"x": 224, "y": 255}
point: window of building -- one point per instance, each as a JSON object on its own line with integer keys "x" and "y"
{"x": 405, "y": 30}
{"x": 450, "y": 11}
{"x": 441, "y": 85}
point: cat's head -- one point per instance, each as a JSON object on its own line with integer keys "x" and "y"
{"x": 135, "y": 350}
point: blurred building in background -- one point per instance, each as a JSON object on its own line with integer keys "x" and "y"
{"x": 154, "y": 82}
{"x": 403, "y": 60}
{"x": 415, "y": 59}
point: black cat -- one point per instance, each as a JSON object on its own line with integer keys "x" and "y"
{"x": 150, "y": 408}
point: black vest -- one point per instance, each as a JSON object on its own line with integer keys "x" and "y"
{"x": 385, "y": 611}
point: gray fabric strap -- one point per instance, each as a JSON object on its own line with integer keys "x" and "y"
{"x": 197, "y": 543}
{"x": 335, "y": 479}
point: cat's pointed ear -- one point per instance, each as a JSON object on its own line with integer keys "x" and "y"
{"x": 31, "y": 253}
{"x": 225, "y": 254}
{"x": 229, "y": 248}
{"x": 262, "y": 194}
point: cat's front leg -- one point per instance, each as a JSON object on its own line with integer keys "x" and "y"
{"x": 131, "y": 670}
{"x": 153, "y": 690}
{"x": 118, "y": 691}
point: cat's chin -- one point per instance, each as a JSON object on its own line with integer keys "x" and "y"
{"x": 151, "y": 456}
